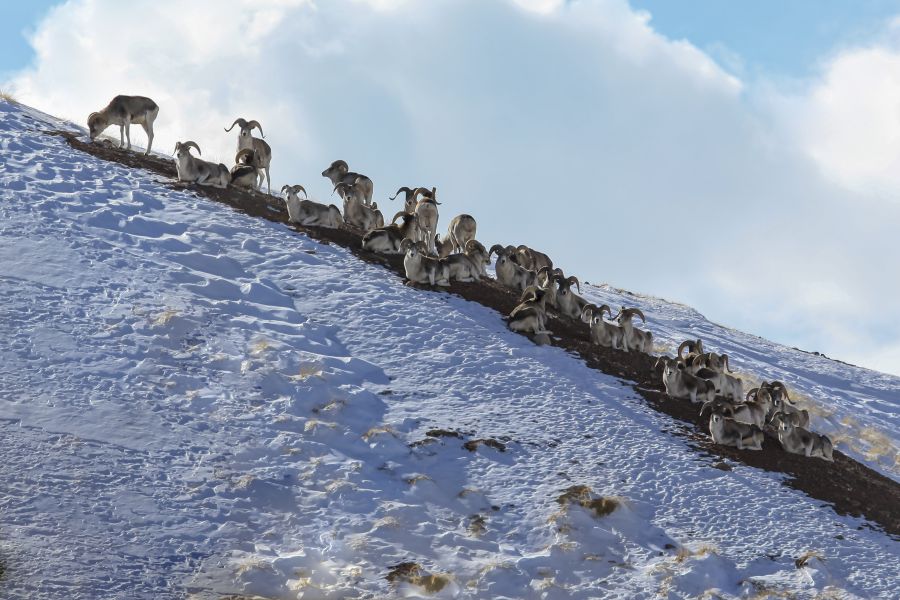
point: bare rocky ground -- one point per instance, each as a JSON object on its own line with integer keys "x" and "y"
{"x": 848, "y": 486}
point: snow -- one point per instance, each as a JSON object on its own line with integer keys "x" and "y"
{"x": 198, "y": 403}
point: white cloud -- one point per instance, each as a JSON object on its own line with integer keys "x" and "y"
{"x": 662, "y": 172}
{"x": 849, "y": 120}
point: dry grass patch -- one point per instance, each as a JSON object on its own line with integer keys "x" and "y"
{"x": 307, "y": 370}
{"x": 807, "y": 556}
{"x": 313, "y": 425}
{"x": 869, "y": 441}
{"x": 410, "y": 572}
{"x": 259, "y": 346}
{"x": 416, "y": 479}
{"x": 333, "y": 405}
{"x": 437, "y": 433}
{"x": 477, "y": 525}
{"x": 683, "y": 553}
{"x": 581, "y": 495}
{"x": 376, "y": 431}
{"x": 472, "y": 445}
{"x": 164, "y": 317}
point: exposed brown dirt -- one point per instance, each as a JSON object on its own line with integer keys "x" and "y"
{"x": 848, "y": 486}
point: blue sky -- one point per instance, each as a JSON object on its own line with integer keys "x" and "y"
{"x": 18, "y": 18}
{"x": 760, "y": 138}
{"x": 781, "y": 37}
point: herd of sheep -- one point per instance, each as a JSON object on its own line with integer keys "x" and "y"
{"x": 735, "y": 419}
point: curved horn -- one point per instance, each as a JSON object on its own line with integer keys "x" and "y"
{"x": 682, "y": 346}
{"x": 190, "y": 143}
{"x": 340, "y": 184}
{"x": 572, "y": 279}
{"x": 546, "y": 273}
{"x": 606, "y": 308}
{"x": 589, "y": 309}
{"x": 699, "y": 346}
{"x": 285, "y": 187}
{"x": 496, "y": 248}
{"x": 530, "y": 294}
{"x": 635, "y": 311}
{"x": 402, "y": 212}
{"x": 753, "y": 392}
{"x": 725, "y": 362}
{"x": 405, "y": 244}
{"x": 299, "y": 188}
{"x": 242, "y": 153}
{"x": 255, "y": 123}
{"x": 783, "y": 389}
{"x": 403, "y": 189}
{"x": 238, "y": 121}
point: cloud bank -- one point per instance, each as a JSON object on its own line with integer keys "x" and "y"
{"x": 571, "y": 126}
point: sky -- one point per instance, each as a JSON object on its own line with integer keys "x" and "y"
{"x": 740, "y": 157}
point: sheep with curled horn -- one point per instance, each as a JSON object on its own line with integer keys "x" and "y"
{"x": 682, "y": 384}
{"x": 509, "y": 273}
{"x": 421, "y": 268}
{"x": 339, "y": 171}
{"x": 691, "y": 360}
{"x": 245, "y": 172}
{"x": 195, "y": 170}
{"x": 782, "y": 405}
{"x": 356, "y": 212}
{"x": 123, "y": 111}
{"x": 470, "y": 265}
{"x": 261, "y": 148}
{"x": 427, "y": 217}
{"x": 529, "y": 257}
{"x": 530, "y": 315}
{"x": 637, "y": 338}
{"x": 728, "y": 432}
{"x": 799, "y": 440}
{"x": 387, "y": 239}
{"x": 308, "y": 213}
{"x": 725, "y": 384}
{"x": 603, "y": 333}
{"x": 717, "y": 405}
{"x": 548, "y": 278}
{"x": 568, "y": 302}
{"x": 754, "y": 411}
{"x": 409, "y": 202}
{"x": 710, "y": 360}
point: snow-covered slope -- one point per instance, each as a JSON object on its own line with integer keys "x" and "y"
{"x": 196, "y": 403}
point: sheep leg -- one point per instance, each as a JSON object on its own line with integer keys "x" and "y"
{"x": 121, "y": 136}
{"x": 148, "y": 129}
{"x": 127, "y": 128}
{"x": 268, "y": 181}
